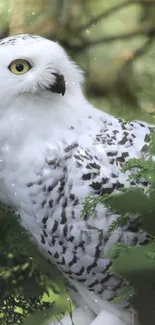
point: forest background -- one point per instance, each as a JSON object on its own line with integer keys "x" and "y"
{"x": 114, "y": 42}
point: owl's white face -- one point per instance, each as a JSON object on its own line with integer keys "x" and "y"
{"x": 40, "y": 92}
{"x": 31, "y": 64}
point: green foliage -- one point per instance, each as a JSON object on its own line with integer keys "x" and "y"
{"x": 26, "y": 286}
{"x": 117, "y": 250}
{"x": 128, "y": 263}
{"x": 124, "y": 294}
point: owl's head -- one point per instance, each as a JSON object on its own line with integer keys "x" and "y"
{"x": 32, "y": 64}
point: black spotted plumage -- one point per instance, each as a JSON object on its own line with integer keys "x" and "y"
{"x": 73, "y": 245}
{"x": 57, "y": 150}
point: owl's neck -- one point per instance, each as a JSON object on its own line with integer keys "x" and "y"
{"x": 48, "y": 119}
{"x": 36, "y": 113}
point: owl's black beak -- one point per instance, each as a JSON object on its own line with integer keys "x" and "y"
{"x": 59, "y": 87}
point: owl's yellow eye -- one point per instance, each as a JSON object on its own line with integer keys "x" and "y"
{"x": 20, "y": 66}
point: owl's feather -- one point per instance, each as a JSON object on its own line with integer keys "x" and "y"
{"x": 55, "y": 151}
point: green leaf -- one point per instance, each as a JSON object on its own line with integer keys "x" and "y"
{"x": 137, "y": 259}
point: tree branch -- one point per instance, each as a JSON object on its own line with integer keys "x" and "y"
{"x": 144, "y": 31}
{"x": 112, "y": 10}
{"x": 141, "y": 51}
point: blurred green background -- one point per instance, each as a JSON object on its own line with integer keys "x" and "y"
{"x": 114, "y": 42}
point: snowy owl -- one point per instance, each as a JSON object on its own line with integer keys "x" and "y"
{"x": 55, "y": 150}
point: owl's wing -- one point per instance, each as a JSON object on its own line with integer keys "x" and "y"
{"x": 75, "y": 245}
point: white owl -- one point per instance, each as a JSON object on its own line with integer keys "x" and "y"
{"x": 55, "y": 150}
